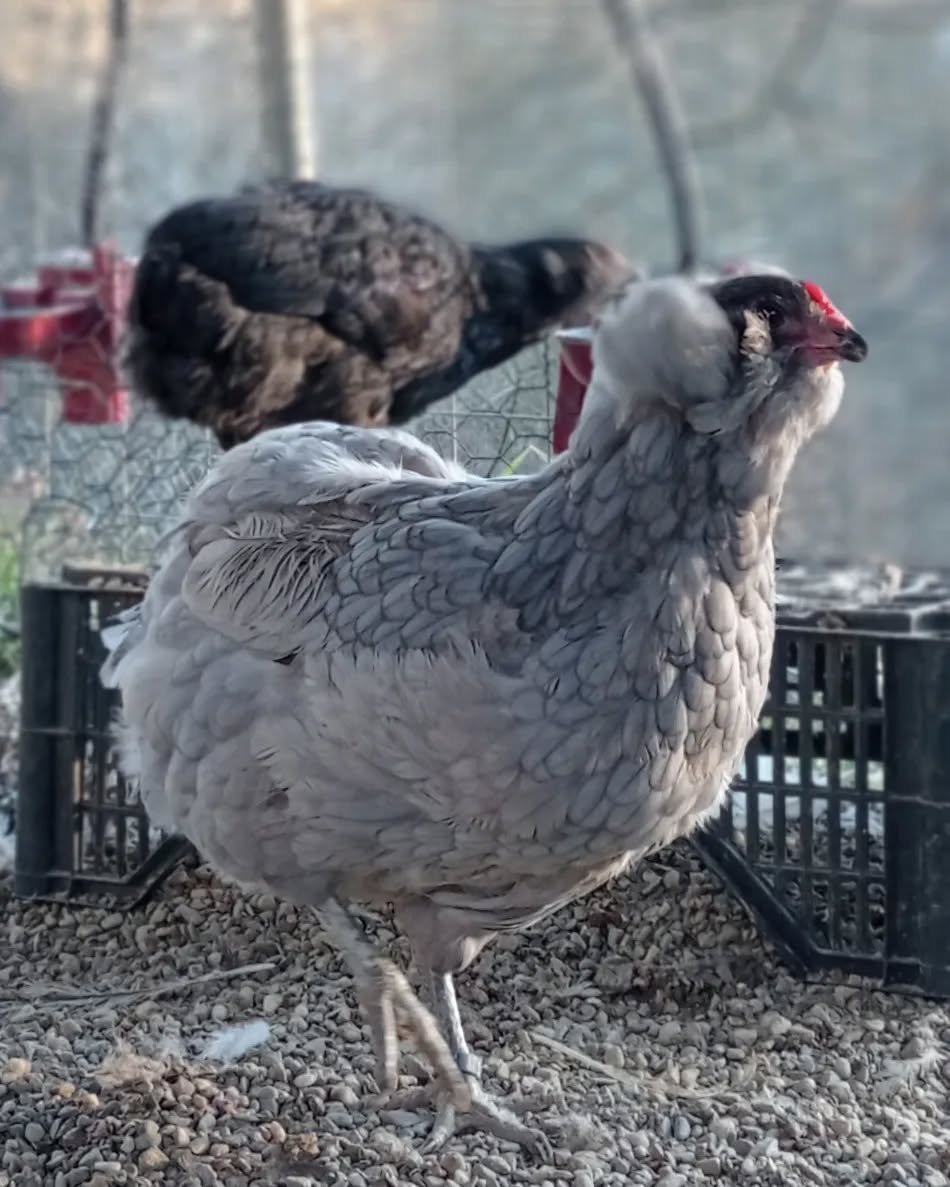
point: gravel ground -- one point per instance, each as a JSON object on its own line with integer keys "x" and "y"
{"x": 654, "y": 1037}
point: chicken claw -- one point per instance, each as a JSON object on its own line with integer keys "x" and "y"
{"x": 383, "y": 990}
{"x": 484, "y": 1112}
{"x": 490, "y": 1116}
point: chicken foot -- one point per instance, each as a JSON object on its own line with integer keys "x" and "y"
{"x": 383, "y": 990}
{"x": 484, "y": 1112}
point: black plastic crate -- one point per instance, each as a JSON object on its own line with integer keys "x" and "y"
{"x": 837, "y": 835}
{"x": 81, "y": 832}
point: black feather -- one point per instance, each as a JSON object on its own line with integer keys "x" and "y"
{"x": 297, "y": 301}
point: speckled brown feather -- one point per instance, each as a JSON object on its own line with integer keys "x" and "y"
{"x": 301, "y": 301}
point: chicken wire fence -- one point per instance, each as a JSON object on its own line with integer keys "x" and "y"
{"x": 104, "y": 494}
{"x": 99, "y": 494}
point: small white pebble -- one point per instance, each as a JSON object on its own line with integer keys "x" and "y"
{"x": 16, "y": 1069}
{"x": 148, "y": 1135}
{"x": 454, "y": 1165}
{"x": 842, "y": 1067}
{"x": 153, "y": 1159}
{"x": 344, "y": 1094}
{"x": 724, "y": 1128}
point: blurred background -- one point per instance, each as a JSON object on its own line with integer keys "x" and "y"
{"x": 821, "y": 131}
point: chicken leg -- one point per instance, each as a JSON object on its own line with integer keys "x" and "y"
{"x": 383, "y": 990}
{"x": 483, "y": 1112}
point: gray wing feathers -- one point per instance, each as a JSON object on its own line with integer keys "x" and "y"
{"x": 308, "y": 464}
{"x": 265, "y": 527}
{"x": 263, "y": 580}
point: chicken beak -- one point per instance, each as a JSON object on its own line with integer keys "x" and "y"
{"x": 830, "y": 341}
{"x": 851, "y": 346}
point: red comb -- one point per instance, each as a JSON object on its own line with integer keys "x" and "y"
{"x": 825, "y": 304}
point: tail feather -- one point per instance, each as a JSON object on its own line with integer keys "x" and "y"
{"x": 179, "y": 322}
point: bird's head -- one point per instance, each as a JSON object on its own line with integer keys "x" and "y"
{"x": 756, "y": 353}
{"x": 564, "y": 282}
{"x": 596, "y": 273}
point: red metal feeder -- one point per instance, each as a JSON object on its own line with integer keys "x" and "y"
{"x": 70, "y": 315}
{"x": 574, "y": 372}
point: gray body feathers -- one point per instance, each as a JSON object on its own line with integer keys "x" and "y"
{"x": 360, "y": 672}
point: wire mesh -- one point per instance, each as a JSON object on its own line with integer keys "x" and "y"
{"x": 87, "y": 493}
{"x": 105, "y": 494}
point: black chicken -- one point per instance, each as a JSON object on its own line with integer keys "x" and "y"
{"x": 298, "y": 301}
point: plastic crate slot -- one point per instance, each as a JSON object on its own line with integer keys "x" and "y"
{"x": 872, "y": 838}
{"x": 815, "y": 835}
{"x": 876, "y": 921}
{"x": 738, "y": 818}
{"x": 752, "y": 828}
{"x": 806, "y": 722}
{"x": 788, "y": 834}
{"x": 818, "y": 906}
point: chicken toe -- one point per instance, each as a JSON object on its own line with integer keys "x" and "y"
{"x": 490, "y": 1116}
{"x": 484, "y": 1113}
{"x": 383, "y": 991}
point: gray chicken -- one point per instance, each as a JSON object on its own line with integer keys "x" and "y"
{"x": 362, "y": 674}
